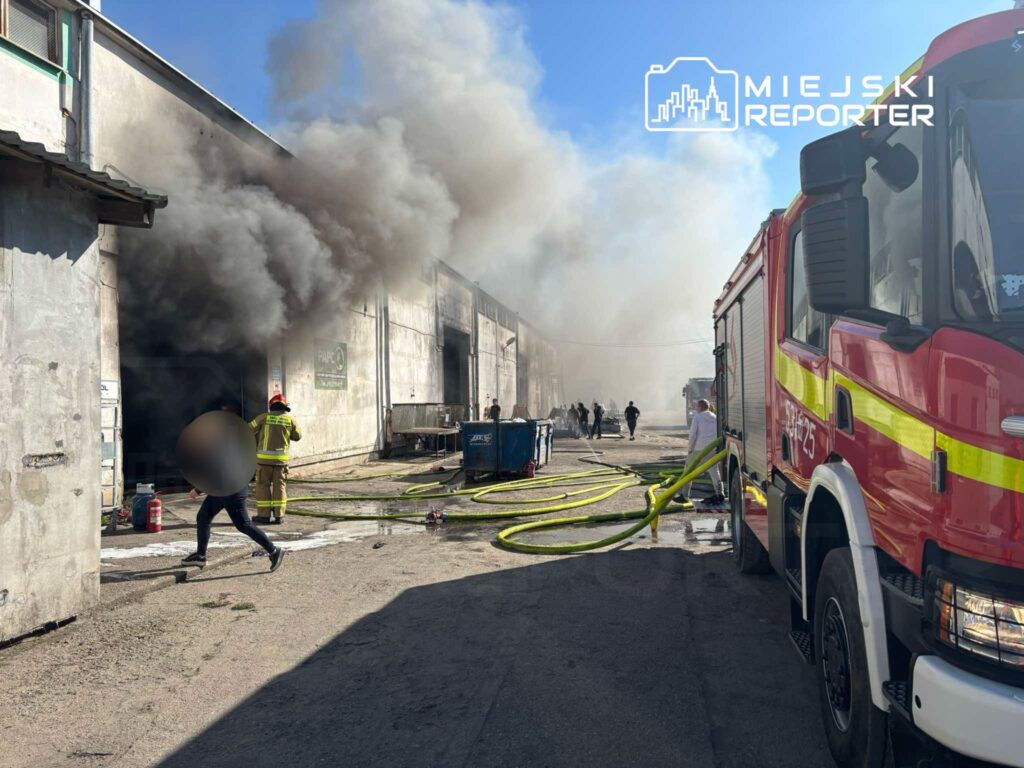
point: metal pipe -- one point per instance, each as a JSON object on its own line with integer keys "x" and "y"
{"x": 86, "y": 123}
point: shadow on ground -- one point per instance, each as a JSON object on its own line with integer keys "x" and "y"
{"x": 633, "y": 657}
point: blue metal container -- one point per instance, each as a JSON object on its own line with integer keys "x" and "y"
{"x": 505, "y": 447}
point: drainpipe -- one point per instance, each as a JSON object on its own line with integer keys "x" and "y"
{"x": 86, "y": 123}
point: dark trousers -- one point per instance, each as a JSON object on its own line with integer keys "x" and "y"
{"x": 583, "y": 429}
{"x": 631, "y": 423}
{"x": 235, "y": 505}
{"x": 596, "y": 429}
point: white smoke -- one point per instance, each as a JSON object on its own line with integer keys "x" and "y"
{"x": 629, "y": 248}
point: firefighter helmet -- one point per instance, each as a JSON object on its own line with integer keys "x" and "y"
{"x": 279, "y": 399}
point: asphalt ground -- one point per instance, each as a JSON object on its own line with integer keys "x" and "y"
{"x": 415, "y": 645}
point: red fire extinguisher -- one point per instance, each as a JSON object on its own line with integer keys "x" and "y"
{"x": 154, "y": 515}
{"x": 531, "y": 467}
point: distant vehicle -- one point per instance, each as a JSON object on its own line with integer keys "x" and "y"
{"x": 696, "y": 389}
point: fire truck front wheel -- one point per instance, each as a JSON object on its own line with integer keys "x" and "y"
{"x": 854, "y": 727}
{"x": 748, "y": 553}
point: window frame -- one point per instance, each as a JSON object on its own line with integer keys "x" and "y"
{"x": 826, "y": 320}
{"x": 55, "y": 57}
{"x": 882, "y": 134}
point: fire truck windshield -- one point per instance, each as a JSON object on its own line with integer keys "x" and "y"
{"x": 987, "y": 200}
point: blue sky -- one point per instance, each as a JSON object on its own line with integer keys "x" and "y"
{"x": 594, "y": 53}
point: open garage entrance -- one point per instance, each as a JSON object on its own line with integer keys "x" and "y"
{"x": 455, "y": 373}
{"x": 164, "y": 390}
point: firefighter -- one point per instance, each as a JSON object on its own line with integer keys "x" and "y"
{"x": 274, "y": 433}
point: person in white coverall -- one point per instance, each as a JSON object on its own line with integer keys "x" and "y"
{"x": 704, "y": 430}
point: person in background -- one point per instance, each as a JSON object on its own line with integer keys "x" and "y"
{"x": 274, "y": 432}
{"x": 572, "y": 421}
{"x": 632, "y": 413}
{"x": 494, "y": 412}
{"x": 704, "y": 430}
{"x": 598, "y": 415}
{"x": 584, "y": 417}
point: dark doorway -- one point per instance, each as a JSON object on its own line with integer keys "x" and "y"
{"x": 164, "y": 390}
{"x": 455, "y": 358}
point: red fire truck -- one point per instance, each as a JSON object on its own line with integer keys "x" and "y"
{"x": 870, "y": 383}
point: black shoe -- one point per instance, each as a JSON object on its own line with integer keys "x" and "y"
{"x": 260, "y": 520}
{"x": 278, "y": 520}
{"x": 194, "y": 559}
{"x": 275, "y": 559}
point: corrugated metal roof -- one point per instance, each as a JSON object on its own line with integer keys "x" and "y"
{"x": 104, "y": 184}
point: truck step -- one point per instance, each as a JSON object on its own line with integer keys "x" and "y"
{"x": 804, "y": 644}
{"x": 898, "y": 694}
{"x": 794, "y": 580}
{"x": 911, "y": 587}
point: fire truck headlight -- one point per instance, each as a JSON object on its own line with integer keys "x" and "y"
{"x": 979, "y": 624}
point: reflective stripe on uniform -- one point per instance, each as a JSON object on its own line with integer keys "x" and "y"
{"x": 271, "y": 456}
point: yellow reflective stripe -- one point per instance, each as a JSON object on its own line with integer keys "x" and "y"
{"x": 884, "y": 417}
{"x": 279, "y": 420}
{"x": 283, "y": 457}
{"x": 801, "y": 384}
{"x": 907, "y": 431}
{"x": 982, "y": 465}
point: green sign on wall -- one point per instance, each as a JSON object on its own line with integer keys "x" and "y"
{"x": 331, "y": 365}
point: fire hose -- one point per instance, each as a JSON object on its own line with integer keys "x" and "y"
{"x": 664, "y": 481}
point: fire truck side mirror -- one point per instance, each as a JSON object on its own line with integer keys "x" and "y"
{"x": 835, "y": 237}
{"x": 832, "y": 163}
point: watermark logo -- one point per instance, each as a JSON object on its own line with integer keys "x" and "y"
{"x": 691, "y": 94}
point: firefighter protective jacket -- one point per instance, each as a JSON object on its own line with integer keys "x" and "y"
{"x": 274, "y": 434}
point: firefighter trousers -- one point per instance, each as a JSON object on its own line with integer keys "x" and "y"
{"x": 271, "y": 490}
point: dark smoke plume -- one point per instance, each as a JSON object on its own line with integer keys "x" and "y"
{"x": 416, "y": 136}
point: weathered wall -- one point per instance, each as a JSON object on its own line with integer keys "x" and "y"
{"x": 338, "y": 420}
{"x": 415, "y": 359}
{"x": 49, "y": 452}
{"x": 542, "y": 375}
{"x": 35, "y": 91}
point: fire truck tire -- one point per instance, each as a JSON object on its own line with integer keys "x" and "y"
{"x": 854, "y": 727}
{"x": 748, "y": 553}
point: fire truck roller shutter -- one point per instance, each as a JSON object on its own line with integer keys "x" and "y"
{"x": 733, "y": 369}
{"x": 839, "y": 480}
{"x": 755, "y": 426}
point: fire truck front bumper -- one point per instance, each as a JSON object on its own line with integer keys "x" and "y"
{"x": 969, "y": 714}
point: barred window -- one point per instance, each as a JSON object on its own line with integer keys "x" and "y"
{"x": 32, "y": 25}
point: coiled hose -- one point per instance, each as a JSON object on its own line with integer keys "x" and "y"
{"x": 664, "y": 481}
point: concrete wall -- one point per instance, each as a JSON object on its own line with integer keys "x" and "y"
{"x": 336, "y": 422}
{"x": 413, "y": 344}
{"x": 35, "y": 92}
{"x": 540, "y": 359}
{"x": 49, "y": 452}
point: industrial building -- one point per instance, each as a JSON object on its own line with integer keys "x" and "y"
{"x": 81, "y": 418}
